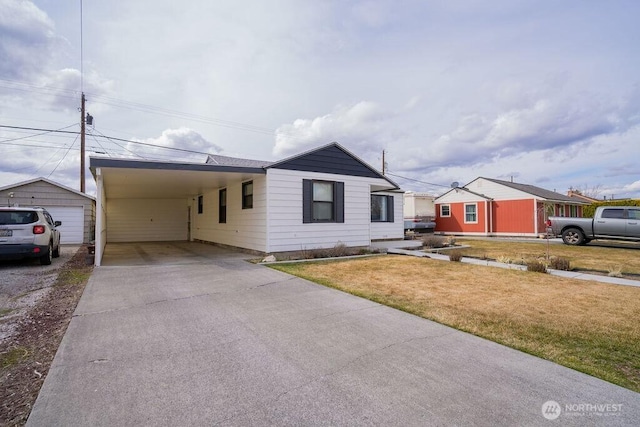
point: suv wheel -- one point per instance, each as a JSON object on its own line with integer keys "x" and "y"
{"x": 46, "y": 258}
{"x": 56, "y": 251}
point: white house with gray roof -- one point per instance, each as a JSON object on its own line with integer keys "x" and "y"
{"x": 317, "y": 199}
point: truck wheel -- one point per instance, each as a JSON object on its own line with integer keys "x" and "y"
{"x": 46, "y": 258}
{"x": 573, "y": 236}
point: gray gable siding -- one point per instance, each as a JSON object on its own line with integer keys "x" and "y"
{"x": 330, "y": 159}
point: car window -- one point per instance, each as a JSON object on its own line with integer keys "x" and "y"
{"x": 48, "y": 217}
{"x": 613, "y": 213}
{"x": 633, "y": 213}
{"x": 18, "y": 217}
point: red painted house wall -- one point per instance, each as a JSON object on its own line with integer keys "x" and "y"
{"x": 455, "y": 223}
{"x": 513, "y": 216}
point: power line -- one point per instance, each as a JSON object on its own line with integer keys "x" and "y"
{"x": 417, "y": 180}
{"x": 38, "y": 134}
{"x": 63, "y": 157}
{"x": 184, "y": 150}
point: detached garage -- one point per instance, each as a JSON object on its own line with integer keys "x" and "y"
{"x": 74, "y": 209}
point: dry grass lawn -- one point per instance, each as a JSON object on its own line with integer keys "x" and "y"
{"x": 588, "y": 326}
{"x": 596, "y": 256}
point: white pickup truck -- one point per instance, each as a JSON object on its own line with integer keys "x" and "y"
{"x": 608, "y": 222}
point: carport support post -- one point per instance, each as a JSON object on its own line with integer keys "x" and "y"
{"x": 82, "y": 131}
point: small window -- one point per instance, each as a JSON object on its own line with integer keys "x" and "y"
{"x": 470, "y": 213}
{"x": 200, "y": 204}
{"x": 613, "y": 213}
{"x": 445, "y": 210}
{"x": 322, "y": 201}
{"x": 573, "y": 211}
{"x": 222, "y": 206}
{"x": 381, "y": 208}
{"x": 247, "y": 195}
{"x": 633, "y": 214}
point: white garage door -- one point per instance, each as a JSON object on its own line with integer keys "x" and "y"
{"x": 72, "y": 218}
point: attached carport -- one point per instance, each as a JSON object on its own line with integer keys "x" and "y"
{"x": 147, "y": 201}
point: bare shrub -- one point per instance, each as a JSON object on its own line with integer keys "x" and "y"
{"x": 560, "y": 263}
{"x": 536, "y": 266}
{"x": 433, "y": 242}
{"x": 504, "y": 259}
{"x": 451, "y": 241}
{"x": 614, "y": 271}
{"x": 455, "y": 256}
{"x": 339, "y": 250}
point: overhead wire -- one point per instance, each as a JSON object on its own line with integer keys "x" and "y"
{"x": 63, "y": 157}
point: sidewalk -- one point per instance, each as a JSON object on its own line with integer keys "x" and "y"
{"x": 560, "y": 273}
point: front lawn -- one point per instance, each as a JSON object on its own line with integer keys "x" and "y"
{"x": 587, "y": 326}
{"x": 595, "y": 256}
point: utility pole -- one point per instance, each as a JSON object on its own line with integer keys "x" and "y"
{"x": 82, "y": 131}
{"x": 383, "y": 163}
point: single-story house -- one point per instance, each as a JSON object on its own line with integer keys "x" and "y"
{"x": 76, "y": 210}
{"x": 492, "y": 207}
{"x": 317, "y": 199}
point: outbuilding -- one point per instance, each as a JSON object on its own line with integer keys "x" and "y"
{"x": 76, "y": 210}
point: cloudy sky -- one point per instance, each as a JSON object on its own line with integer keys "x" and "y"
{"x": 542, "y": 92}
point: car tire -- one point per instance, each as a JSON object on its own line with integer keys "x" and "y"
{"x": 56, "y": 251}
{"x": 46, "y": 258}
{"x": 573, "y": 236}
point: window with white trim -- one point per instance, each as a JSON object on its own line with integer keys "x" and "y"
{"x": 247, "y": 195}
{"x": 322, "y": 201}
{"x": 222, "y": 206}
{"x": 470, "y": 213}
{"x": 381, "y": 208}
{"x": 200, "y": 204}
{"x": 445, "y": 210}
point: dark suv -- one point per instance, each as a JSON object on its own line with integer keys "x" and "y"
{"x": 28, "y": 233}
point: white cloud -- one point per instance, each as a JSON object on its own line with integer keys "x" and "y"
{"x": 183, "y": 139}
{"x": 360, "y": 125}
{"x": 27, "y": 39}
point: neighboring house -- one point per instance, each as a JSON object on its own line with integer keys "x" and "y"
{"x": 577, "y": 195}
{"x": 491, "y": 207}
{"x": 76, "y": 210}
{"x": 317, "y": 199}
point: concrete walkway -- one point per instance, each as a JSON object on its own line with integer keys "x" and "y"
{"x": 560, "y": 273}
{"x": 226, "y": 342}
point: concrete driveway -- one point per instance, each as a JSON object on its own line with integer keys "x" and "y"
{"x": 220, "y": 341}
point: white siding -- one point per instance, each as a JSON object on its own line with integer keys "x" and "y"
{"x": 245, "y": 228}
{"x": 146, "y": 220}
{"x": 72, "y": 219}
{"x": 458, "y": 195}
{"x": 496, "y": 191}
{"x": 390, "y": 230}
{"x": 287, "y": 232}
